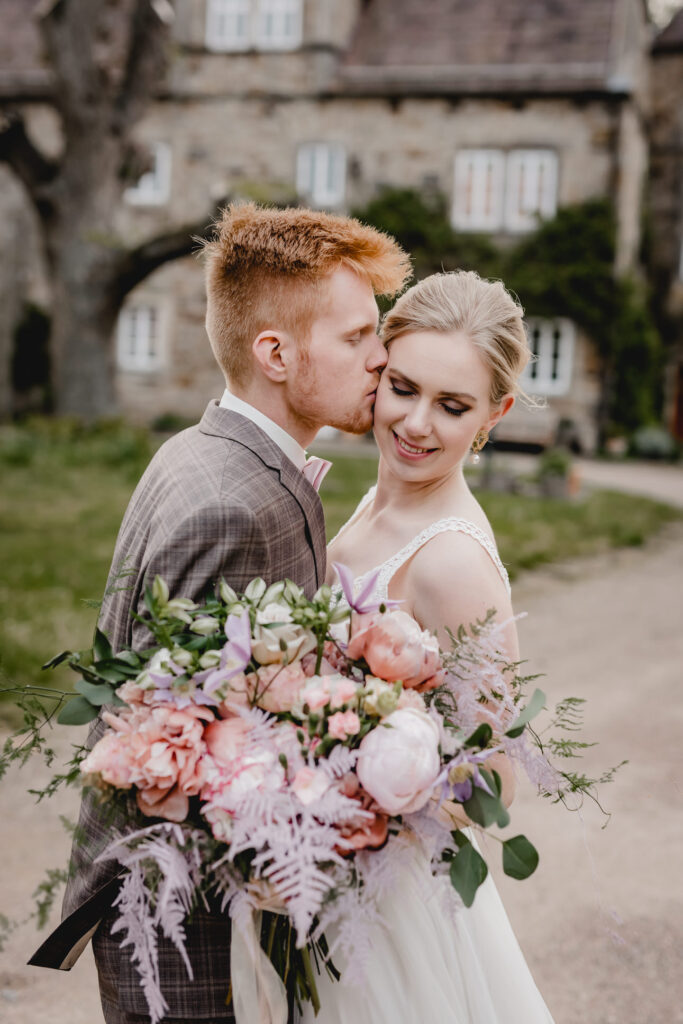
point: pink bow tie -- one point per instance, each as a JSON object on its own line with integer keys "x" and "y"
{"x": 315, "y": 470}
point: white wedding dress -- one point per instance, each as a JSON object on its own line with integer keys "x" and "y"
{"x": 430, "y": 964}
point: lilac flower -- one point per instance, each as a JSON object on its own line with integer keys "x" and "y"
{"x": 235, "y": 654}
{"x": 361, "y": 604}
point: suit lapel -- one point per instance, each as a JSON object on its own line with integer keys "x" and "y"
{"x": 226, "y": 423}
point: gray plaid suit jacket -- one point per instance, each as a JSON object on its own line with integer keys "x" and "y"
{"x": 218, "y": 500}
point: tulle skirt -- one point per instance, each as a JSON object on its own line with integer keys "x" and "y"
{"x": 431, "y": 966}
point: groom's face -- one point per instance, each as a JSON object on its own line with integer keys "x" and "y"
{"x": 338, "y": 367}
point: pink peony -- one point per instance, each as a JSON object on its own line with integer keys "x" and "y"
{"x": 334, "y": 690}
{"x": 310, "y": 784}
{"x": 398, "y": 766}
{"x": 225, "y": 738}
{"x": 396, "y": 648}
{"x": 276, "y": 687}
{"x": 343, "y": 724}
{"x": 366, "y": 830}
{"x": 111, "y": 759}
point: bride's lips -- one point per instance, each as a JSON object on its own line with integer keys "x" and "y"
{"x": 411, "y": 452}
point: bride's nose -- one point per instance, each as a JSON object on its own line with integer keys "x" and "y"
{"x": 418, "y": 420}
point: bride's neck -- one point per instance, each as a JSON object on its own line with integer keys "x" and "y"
{"x": 432, "y": 497}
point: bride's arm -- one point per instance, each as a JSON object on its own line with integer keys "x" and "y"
{"x": 452, "y": 582}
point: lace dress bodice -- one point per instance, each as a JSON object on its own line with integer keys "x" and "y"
{"x": 390, "y": 567}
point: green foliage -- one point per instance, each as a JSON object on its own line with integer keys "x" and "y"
{"x": 564, "y": 268}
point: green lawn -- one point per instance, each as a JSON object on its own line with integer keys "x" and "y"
{"x": 63, "y": 494}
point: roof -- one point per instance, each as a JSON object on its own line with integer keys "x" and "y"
{"x": 670, "y": 39}
{"x": 472, "y": 46}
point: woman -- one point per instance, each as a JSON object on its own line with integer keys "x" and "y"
{"x": 456, "y": 347}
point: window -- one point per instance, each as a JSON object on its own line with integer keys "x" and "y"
{"x": 139, "y": 339}
{"x": 552, "y": 345}
{"x": 233, "y": 25}
{"x": 494, "y": 190}
{"x": 154, "y": 187}
{"x": 531, "y": 188}
{"x": 321, "y": 173}
{"x": 478, "y": 193}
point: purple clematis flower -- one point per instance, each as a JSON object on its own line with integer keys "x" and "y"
{"x": 235, "y": 655}
{"x": 462, "y": 774}
{"x": 177, "y": 689}
{"x": 364, "y": 601}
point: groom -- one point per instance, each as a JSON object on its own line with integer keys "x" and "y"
{"x": 292, "y": 321}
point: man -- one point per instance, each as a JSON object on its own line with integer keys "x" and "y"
{"x": 292, "y": 321}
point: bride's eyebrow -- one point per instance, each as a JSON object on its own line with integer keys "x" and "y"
{"x": 459, "y": 396}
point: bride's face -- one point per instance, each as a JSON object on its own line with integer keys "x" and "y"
{"x": 432, "y": 400}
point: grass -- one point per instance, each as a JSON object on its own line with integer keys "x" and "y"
{"x": 64, "y": 492}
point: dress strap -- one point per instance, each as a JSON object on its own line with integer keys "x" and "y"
{"x": 360, "y": 507}
{"x": 393, "y": 564}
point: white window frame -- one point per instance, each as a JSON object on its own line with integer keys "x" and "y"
{"x": 531, "y": 177}
{"x": 154, "y": 187}
{"x": 552, "y": 342}
{"x": 478, "y": 190}
{"x": 234, "y": 26}
{"x": 321, "y": 173}
{"x": 140, "y": 342}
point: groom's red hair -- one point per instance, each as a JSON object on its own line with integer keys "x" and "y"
{"x": 265, "y": 268}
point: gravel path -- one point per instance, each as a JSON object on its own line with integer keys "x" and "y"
{"x": 601, "y": 922}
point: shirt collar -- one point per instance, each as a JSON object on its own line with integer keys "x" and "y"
{"x": 291, "y": 448}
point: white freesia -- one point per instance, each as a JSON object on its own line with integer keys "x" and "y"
{"x": 399, "y": 762}
{"x": 205, "y": 625}
{"x": 157, "y": 665}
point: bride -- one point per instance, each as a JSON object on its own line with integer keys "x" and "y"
{"x": 456, "y": 347}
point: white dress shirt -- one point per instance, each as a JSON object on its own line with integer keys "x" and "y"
{"x": 292, "y": 449}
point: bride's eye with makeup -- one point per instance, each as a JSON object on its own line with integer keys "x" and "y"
{"x": 398, "y": 390}
{"x": 453, "y": 411}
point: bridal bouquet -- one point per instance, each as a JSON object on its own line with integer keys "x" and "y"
{"x": 293, "y": 756}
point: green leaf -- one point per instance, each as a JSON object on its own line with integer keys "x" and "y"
{"x": 535, "y": 705}
{"x": 96, "y": 694}
{"x": 101, "y": 647}
{"x": 130, "y": 658}
{"x": 149, "y": 600}
{"x": 484, "y": 808}
{"x": 108, "y": 670}
{"x": 58, "y": 659}
{"x": 468, "y": 871}
{"x": 480, "y": 737}
{"x": 520, "y": 857}
{"x": 77, "y": 712}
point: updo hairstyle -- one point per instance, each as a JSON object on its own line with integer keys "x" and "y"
{"x": 484, "y": 311}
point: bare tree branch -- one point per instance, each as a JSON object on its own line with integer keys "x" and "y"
{"x": 139, "y": 263}
{"x": 16, "y": 150}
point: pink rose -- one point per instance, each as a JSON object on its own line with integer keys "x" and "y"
{"x": 398, "y": 766}
{"x": 225, "y": 738}
{"x": 343, "y": 724}
{"x": 334, "y": 690}
{"x": 396, "y": 648}
{"x": 276, "y": 687}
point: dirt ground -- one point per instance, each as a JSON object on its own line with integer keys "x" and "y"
{"x": 601, "y": 921}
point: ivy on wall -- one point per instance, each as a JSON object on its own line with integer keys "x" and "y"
{"x": 564, "y": 268}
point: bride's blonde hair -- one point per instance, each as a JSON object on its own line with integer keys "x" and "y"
{"x": 483, "y": 310}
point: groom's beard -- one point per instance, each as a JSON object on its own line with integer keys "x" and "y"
{"x": 318, "y": 401}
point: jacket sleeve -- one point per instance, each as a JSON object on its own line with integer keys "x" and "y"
{"x": 217, "y": 542}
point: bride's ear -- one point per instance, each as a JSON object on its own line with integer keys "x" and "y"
{"x": 502, "y": 409}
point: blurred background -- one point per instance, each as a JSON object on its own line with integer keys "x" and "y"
{"x": 537, "y": 141}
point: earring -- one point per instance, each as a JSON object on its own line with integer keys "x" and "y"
{"x": 480, "y": 440}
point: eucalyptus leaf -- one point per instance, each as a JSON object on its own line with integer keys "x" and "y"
{"x": 101, "y": 647}
{"x": 520, "y": 857}
{"x": 480, "y": 737}
{"x": 130, "y": 658}
{"x": 536, "y": 704}
{"x": 108, "y": 671}
{"x": 94, "y": 693}
{"x": 486, "y": 809}
{"x": 468, "y": 870}
{"x": 77, "y": 712}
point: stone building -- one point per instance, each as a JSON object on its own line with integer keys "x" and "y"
{"x": 511, "y": 110}
{"x": 666, "y": 205}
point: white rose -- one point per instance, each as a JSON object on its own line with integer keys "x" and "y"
{"x": 277, "y": 638}
{"x": 399, "y": 761}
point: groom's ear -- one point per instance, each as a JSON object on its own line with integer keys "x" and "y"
{"x": 271, "y": 350}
